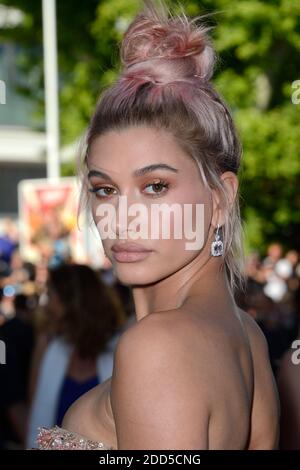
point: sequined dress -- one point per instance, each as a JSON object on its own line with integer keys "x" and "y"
{"x": 57, "y": 438}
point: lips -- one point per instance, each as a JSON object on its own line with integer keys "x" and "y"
{"x": 129, "y": 252}
{"x": 129, "y": 247}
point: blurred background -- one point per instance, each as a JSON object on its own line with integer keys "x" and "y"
{"x": 43, "y": 116}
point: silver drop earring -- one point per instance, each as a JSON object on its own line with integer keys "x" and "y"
{"x": 217, "y": 247}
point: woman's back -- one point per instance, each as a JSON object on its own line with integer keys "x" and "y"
{"x": 245, "y": 405}
{"x": 226, "y": 356}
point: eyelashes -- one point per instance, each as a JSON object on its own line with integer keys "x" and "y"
{"x": 100, "y": 188}
{"x": 161, "y": 184}
{"x": 160, "y": 187}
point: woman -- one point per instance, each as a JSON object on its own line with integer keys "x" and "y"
{"x": 75, "y": 353}
{"x": 193, "y": 372}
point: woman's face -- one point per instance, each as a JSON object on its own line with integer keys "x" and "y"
{"x": 126, "y": 163}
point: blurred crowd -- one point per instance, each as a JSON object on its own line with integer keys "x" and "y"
{"x": 59, "y": 324}
{"x": 60, "y": 320}
{"x": 272, "y": 297}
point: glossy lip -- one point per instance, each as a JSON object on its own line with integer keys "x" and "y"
{"x": 129, "y": 252}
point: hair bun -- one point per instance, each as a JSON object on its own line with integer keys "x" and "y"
{"x": 154, "y": 34}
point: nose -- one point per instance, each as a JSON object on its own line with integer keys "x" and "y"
{"x": 121, "y": 221}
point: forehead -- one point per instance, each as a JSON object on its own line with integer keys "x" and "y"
{"x": 136, "y": 146}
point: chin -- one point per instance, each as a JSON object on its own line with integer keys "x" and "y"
{"x": 139, "y": 274}
{"x": 131, "y": 275}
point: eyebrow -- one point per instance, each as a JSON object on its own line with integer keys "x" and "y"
{"x": 136, "y": 173}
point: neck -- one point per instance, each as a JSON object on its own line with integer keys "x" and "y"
{"x": 202, "y": 277}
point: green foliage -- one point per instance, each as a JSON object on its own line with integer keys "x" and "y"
{"x": 258, "y": 43}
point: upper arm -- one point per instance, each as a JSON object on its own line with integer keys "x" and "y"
{"x": 156, "y": 397}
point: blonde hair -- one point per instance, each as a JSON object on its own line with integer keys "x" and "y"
{"x": 167, "y": 63}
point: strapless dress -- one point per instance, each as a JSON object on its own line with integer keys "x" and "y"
{"x": 57, "y": 438}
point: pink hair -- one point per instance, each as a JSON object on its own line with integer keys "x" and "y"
{"x": 165, "y": 83}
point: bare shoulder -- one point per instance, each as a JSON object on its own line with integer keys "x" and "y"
{"x": 163, "y": 338}
{"x": 266, "y": 408}
{"x": 156, "y": 397}
{"x": 164, "y": 330}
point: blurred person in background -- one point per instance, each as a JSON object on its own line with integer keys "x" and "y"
{"x": 278, "y": 335}
{"x": 271, "y": 297}
{"x": 288, "y": 380}
{"x": 274, "y": 254}
{"x": 292, "y": 256}
{"x": 74, "y": 353}
{"x": 8, "y": 243}
{"x": 18, "y": 336}
{"x": 109, "y": 277}
{"x": 254, "y": 275}
{"x": 288, "y": 377}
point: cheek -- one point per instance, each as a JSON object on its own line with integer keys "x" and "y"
{"x": 189, "y": 220}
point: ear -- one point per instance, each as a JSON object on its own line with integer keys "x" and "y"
{"x": 231, "y": 184}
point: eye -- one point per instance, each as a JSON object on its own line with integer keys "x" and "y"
{"x": 102, "y": 191}
{"x": 158, "y": 187}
